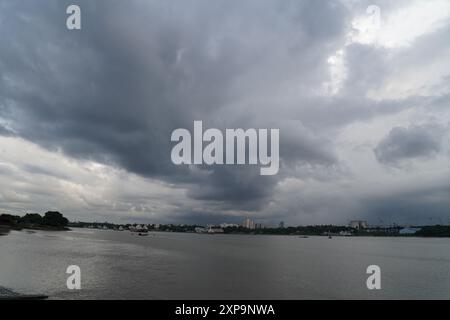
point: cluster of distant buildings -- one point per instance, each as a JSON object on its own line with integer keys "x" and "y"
{"x": 247, "y": 224}
{"x": 363, "y": 225}
{"x": 135, "y": 227}
{"x": 359, "y": 225}
{"x": 250, "y": 224}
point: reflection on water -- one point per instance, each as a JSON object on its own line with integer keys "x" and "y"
{"x": 190, "y": 266}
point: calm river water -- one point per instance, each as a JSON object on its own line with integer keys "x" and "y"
{"x": 120, "y": 265}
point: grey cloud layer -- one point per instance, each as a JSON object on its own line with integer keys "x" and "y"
{"x": 114, "y": 91}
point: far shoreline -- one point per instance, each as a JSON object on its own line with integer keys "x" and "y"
{"x": 4, "y": 230}
{"x": 300, "y": 236}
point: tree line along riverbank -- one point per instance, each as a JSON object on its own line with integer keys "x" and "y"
{"x": 316, "y": 230}
{"x": 54, "y": 220}
{"x": 51, "y": 220}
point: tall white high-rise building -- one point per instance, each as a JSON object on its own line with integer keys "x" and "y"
{"x": 249, "y": 224}
{"x": 358, "y": 224}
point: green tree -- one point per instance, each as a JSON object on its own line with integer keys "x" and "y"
{"x": 31, "y": 218}
{"x": 7, "y": 219}
{"x": 54, "y": 219}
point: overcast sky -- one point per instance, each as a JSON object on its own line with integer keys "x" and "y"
{"x": 363, "y": 109}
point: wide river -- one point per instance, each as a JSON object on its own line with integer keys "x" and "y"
{"x": 121, "y": 265}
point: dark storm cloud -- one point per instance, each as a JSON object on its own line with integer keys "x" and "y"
{"x": 234, "y": 183}
{"x": 409, "y": 143}
{"x": 302, "y": 145}
{"x": 114, "y": 91}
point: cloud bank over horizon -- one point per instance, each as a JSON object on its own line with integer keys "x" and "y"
{"x": 363, "y": 109}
